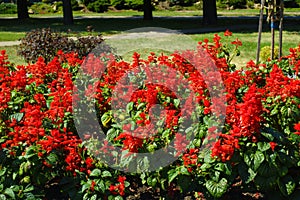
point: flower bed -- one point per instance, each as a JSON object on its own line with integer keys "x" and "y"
{"x": 254, "y": 150}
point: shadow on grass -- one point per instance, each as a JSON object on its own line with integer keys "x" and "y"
{"x": 115, "y": 25}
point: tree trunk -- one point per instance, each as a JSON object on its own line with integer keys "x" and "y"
{"x": 22, "y": 9}
{"x": 209, "y": 12}
{"x": 148, "y": 10}
{"x": 67, "y": 12}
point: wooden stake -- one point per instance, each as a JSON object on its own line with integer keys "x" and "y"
{"x": 272, "y": 29}
{"x": 280, "y": 27}
{"x": 261, "y": 16}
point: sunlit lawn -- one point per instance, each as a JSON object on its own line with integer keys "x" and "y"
{"x": 12, "y": 29}
{"x": 248, "y": 50}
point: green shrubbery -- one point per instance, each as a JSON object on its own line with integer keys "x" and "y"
{"x": 103, "y": 5}
{"x": 118, "y": 4}
{"x": 232, "y": 3}
{"x": 98, "y": 6}
{"x": 41, "y": 8}
{"x": 135, "y": 4}
{"x": 46, "y": 7}
{"x": 8, "y": 8}
{"x": 265, "y": 53}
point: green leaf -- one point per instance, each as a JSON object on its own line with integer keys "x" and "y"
{"x": 129, "y": 107}
{"x": 176, "y": 102}
{"x": 269, "y": 136}
{"x": 106, "y": 174}
{"x": 105, "y": 118}
{"x": 94, "y": 197}
{"x": 14, "y": 175}
{"x": 172, "y": 174}
{"x": 247, "y": 174}
{"x": 258, "y": 159}
{"x": 2, "y": 171}
{"x": 166, "y": 133}
{"x": 9, "y": 192}
{"x": 85, "y": 187}
{"x": 216, "y": 189}
{"x": 16, "y": 116}
{"x": 28, "y": 188}
{"x": 86, "y": 196}
{"x": 112, "y": 133}
{"x": 286, "y": 185}
{"x": 205, "y": 166}
{"x": 263, "y": 146}
{"x": 143, "y": 176}
{"x": 2, "y": 197}
{"x": 274, "y": 111}
{"x": 223, "y": 167}
{"x": 30, "y": 196}
{"x": 118, "y": 198}
{"x": 102, "y": 186}
{"x": 96, "y": 172}
{"x": 254, "y": 160}
{"x": 208, "y": 158}
{"x": 52, "y": 158}
{"x": 141, "y": 105}
{"x": 15, "y": 188}
{"x": 183, "y": 170}
{"x": 143, "y": 164}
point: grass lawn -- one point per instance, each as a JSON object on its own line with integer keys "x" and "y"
{"x": 248, "y": 50}
{"x": 12, "y": 29}
{"x": 186, "y": 12}
{"x": 249, "y": 40}
{"x": 11, "y": 51}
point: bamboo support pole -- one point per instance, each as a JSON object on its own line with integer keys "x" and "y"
{"x": 272, "y": 29}
{"x": 281, "y": 9}
{"x": 261, "y": 16}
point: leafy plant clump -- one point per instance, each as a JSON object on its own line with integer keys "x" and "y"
{"x": 45, "y": 43}
{"x": 8, "y": 8}
{"x": 255, "y": 149}
{"x": 265, "y": 53}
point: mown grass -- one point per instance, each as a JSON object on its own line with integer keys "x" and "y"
{"x": 11, "y": 36}
{"x": 249, "y": 40}
{"x": 189, "y": 11}
{"x": 13, "y": 57}
{"x": 245, "y": 28}
{"x": 13, "y": 29}
{"x": 248, "y": 49}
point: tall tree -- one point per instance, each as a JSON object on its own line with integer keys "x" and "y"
{"x": 22, "y": 9}
{"x": 67, "y": 12}
{"x": 209, "y": 12}
{"x": 148, "y": 10}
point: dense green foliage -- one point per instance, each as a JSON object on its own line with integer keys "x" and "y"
{"x": 255, "y": 150}
{"x": 100, "y": 6}
{"x": 8, "y": 8}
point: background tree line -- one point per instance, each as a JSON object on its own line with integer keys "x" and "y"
{"x": 209, "y": 7}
